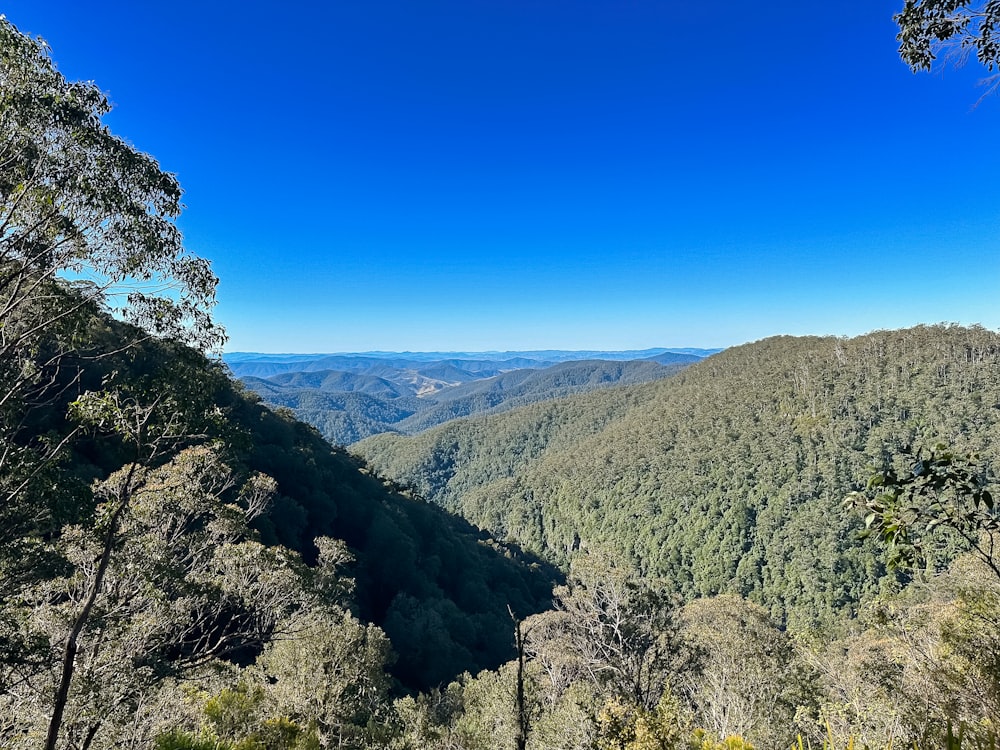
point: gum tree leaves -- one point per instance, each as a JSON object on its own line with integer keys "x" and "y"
{"x": 943, "y": 497}
{"x": 81, "y": 206}
{"x": 956, "y": 29}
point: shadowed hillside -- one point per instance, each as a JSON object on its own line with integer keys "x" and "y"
{"x": 436, "y": 585}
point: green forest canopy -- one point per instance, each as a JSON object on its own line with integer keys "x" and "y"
{"x": 728, "y": 477}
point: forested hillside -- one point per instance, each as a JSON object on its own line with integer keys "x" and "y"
{"x": 406, "y": 552}
{"x": 437, "y": 586}
{"x": 728, "y": 477}
{"x": 522, "y": 387}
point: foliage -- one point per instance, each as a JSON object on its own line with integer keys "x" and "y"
{"x": 129, "y": 556}
{"x": 163, "y": 582}
{"x": 627, "y": 727}
{"x": 612, "y": 629}
{"x": 752, "y": 682}
{"x": 330, "y": 675}
{"x": 958, "y": 27}
{"x": 75, "y": 199}
{"x": 233, "y": 722}
{"x": 941, "y": 497}
{"x": 916, "y": 668}
{"x": 86, "y": 222}
{"x": 437, "y": 585}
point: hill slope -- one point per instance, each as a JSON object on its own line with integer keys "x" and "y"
{"x": 437, "y": 586}
{"x": 729, "y": 476}
{"x": 349, "y": 406}
{"x": 522, "y": 387}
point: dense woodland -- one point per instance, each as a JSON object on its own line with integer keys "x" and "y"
{"x": 728, "y": 477}
{"x": 674, "y": 565}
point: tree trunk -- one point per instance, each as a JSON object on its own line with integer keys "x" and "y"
{"x": 69, "y": 653}
{"x": 521, "y": 739}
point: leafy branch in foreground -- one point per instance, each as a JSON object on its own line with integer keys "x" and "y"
{"x": 954, "y": 29}
{"x": 942, "y": 495}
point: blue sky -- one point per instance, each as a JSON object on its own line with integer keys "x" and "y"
{"x": 576, "y": 174}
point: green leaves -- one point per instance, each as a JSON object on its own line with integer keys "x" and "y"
{"x": 74, "y": 198}
{"x": 954, "y": 28}
{"x": 941, "y": 498}
{"x": 87, "y": 226}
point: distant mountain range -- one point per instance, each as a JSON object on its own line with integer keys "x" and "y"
{"x": 352, "y": 396}
{"x": 549, "y": 356}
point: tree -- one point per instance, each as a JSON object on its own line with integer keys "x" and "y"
{"x": 612, "y": 629}
{"x": 86, "y": 228}
{"x": 937, "y": 506}
{"x": 329, "y": 673}
{"x": 915, "y": 668}
{"x": 77, "y": 201}
{"x": 167, "y": 580}
{"x": 523, "y": 717}
{"x": 628, "y": 727}
{"x": 86, "y": 224}
{"x": 751, "y": 683}
{"x": 955, "y": 28}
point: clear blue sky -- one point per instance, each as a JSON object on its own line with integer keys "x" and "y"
{"x": 520, "y": 174}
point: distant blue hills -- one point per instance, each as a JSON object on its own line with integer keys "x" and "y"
{"x": 541, "y": 356}
{"x": 561, "y": 355}
{"x": 351, "y": 396}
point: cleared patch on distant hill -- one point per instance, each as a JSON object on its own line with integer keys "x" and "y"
{"x": 522, "y": 387}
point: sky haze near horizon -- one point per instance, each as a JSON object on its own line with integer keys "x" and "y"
{"x": 468, "y": 175}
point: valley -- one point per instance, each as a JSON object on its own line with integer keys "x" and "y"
{"x": 349, "y": 397}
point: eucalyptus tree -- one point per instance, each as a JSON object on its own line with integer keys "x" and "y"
{"x": 613, "y": 630}
{"x": 79, "y": 203}
{"x": 87, "y": 229}
{"x": 87, "y": 223}
{"x": 953, "y": 28}
{"x": 165, "y": 581}
{"x": 752, "y": 683}
{"x": 952, "y": 31}
{"x": 331, "y": 676}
